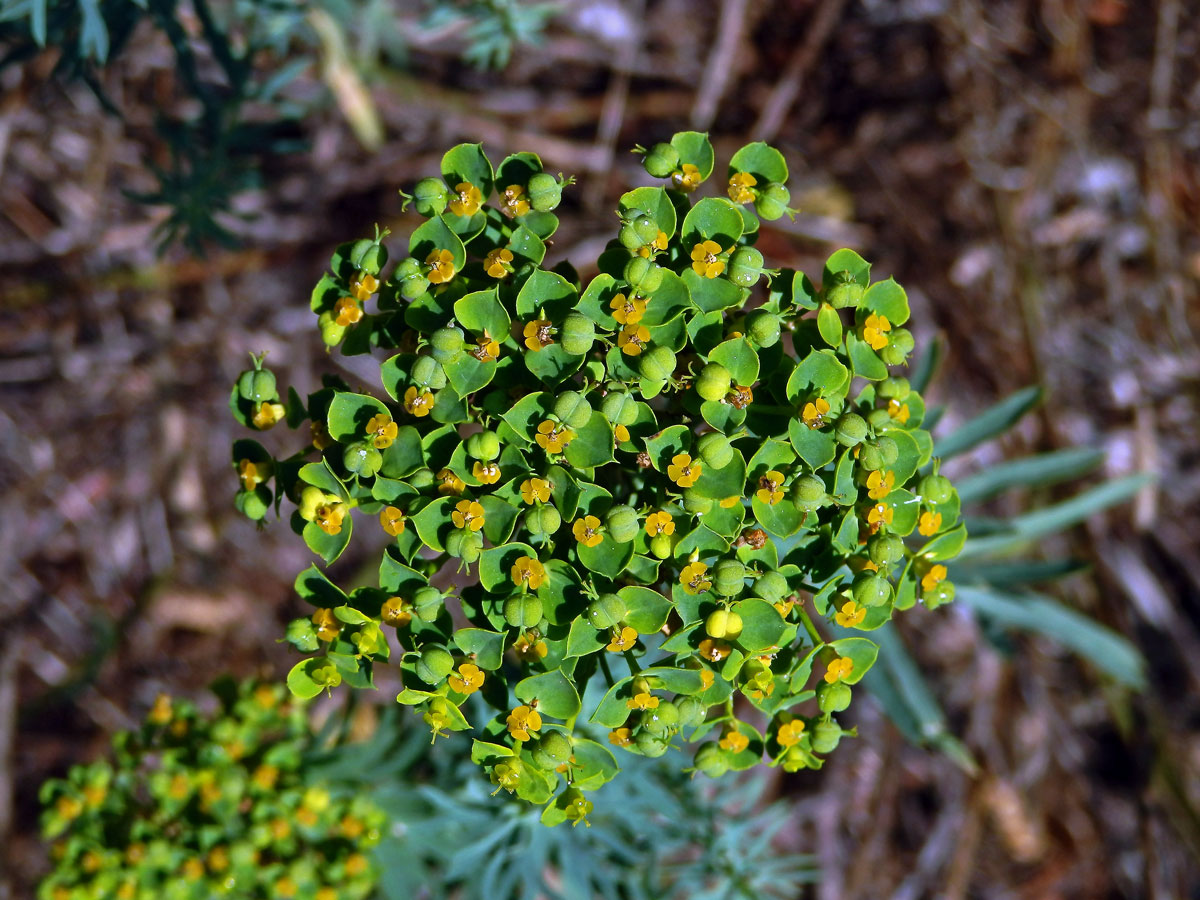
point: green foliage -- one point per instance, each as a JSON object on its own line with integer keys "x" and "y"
{"x": 195, "y": 805}
{"x": 638, "y": 479}
{"x": 994, "y": 581}
{"x": 657, "y": 834}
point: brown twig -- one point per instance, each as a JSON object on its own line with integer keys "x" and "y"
{"x": 721, "y": 63}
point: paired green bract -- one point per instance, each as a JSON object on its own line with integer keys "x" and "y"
{"x": 650, "y": 482}
{"x": 197, "y": 805}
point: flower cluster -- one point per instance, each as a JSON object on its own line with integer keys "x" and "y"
{"x": 202, "y": 805}
{"x": 690, "y": 477}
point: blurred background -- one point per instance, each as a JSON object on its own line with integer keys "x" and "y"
{"x": 174, "y": 177}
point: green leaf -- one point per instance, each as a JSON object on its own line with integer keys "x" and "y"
{"x": 711, "y": 219}
{"x": 1029, "y": 471}
{"x": 495, "y": 566}
{"x": 350, "y": 413}
{"x": 552, "y": 364}
{"x": 762, "y": 161}
{"x": 762, "y": 626}
{"x": 829, "y": 324}
{"x": 647, "y": 610}
{"x": 846, "y": 261}
{"x": 481, "y": 312}
{"x": 487, "y": 646}
{"x": 318, "y": 590}
{"x": 1104, "y": 648}
{"x": 595, "y": 764}
{"x": 654, "y": 202}
{"x": 468, "y": 374}
{"x": 668, "y": 443}
{"x": 695, "y": 149}
{"x": 711, "y": 295}
{"x": 434, "y": 523}
{"x": 468, "y": 163}
{"x": 606, "y": 558}
{"x": 992, "y": 422}
{"x": 720, "y": 484}
{"x": 583, "y": 639}
{"x": 887, "y": 299}
{"x": 435, "y": 234}
{"x": 739, "y": 358}
{"x": 320, "y": 475}
{"x": 527, "y": 413}
{"x": 548, "y": 291}
{"x": 611, "y": 711}
{"x": 596, "y": 299}
{"x": 300, "y": 679}
{"x": 397, "y": 578}
{"x": 861, "y": 652}
{"x": 404, "y": 456}
{"x": 819, "y": 374}
{"x": 593, "y": 443}
{"x": 816, "y": 448}
{"x": 328, "y": 546}
{"x": 863, "y": 359}
{"x": 555, "y": 694}
{"x": 499, "y": 518}
{"x": 668, "y": 301}
{"x": 782, "y": 519}
{"x": 945, "y": 546}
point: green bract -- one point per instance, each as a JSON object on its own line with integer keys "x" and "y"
{"x": 687, "y": 484}
{"x": 197, "y": 805}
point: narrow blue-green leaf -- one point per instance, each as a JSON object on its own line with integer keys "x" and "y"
{"x": 992, "y": 422}
{"x": 1030, "y": 471}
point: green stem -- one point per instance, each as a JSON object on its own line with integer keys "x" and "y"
{"x": 809, "y": 626}
{"x": 634, "y": 668}
{"x": 607, "y": 672}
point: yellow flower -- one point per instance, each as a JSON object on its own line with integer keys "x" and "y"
{"x": 880, "y": 484}
{"x": 628, "y": 310}
{"x": 396, "y": 611}
{"x": 391, "y": 519}
{"x": 622, "y": 433}
{"x": 687, "y": 179}
{"x": 467, "y": 199}
{"x": 441, "y": 266}
{"x": 362, "y": 286}
{"x": 329, "y": 517}
{"x": 784, "y": 607}
{"x": 683, "y": 471}
{"x": 468, "y": 680}
{"x": 320, "y": 436}
{"x": 449, "y": 483}
{"x": 693, "y": 578}
{"x": 529, "y": 647}
{"x": 498, "y": 262}
{"x": 739, "y": 187}
{"x": 620, "y": 737}
{"x": 529, "y": 572}
{"x": 486, "y": 473}
{"x": 487, "y": 348}
{"x": 729, "y": 502}
{"x": 267, "y": 415}
{"x": 898, "y": 410}
{"x": 160, "y": 713}
{"x": 705, "y": 261}
{"x": 553, "y": 438}
{"x": 933, "y": 577}
{"x": 659, "y": 243}
{"x": 875, "y": 330}
{"x": 382, "y": 431}
{"x": 814, "y": 413}
{"x": 789, "y": 733}
{"x": 850, "y": 615}
{"x": 644, "y": 700}
{"x": 660, "y": 523}
{"x": 838, "y": 669}
{"x": 740, "y": 396}
{"x": 522, "y": 720}
{"x": 327, "y": 625}
{"x": 535, "y": 489}
{"x": 769, "y": 485}
{"x": 468, "y": 514}
{"x": 417, "y": 404}
{"x": 707, "y": 677}
{"x": 250, "y": 475}
{"x": 632, "y": 339}
{"x": 347, "y": 311}
{"x": 622, "y": 640}
{"x": 880, "y": 514}
{"x": 930, "y": 524}
{"x": 538, "y": 334}
{"x": 733, "y": 740}
{"x": 514, "y": 202}
{"x": 587, "y": 531}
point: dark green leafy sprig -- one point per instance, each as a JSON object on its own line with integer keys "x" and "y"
{"x": 659, "y": 482}
{"x": 196, "y": 806}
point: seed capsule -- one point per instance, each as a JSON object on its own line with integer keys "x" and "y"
{"x": 484, "y": 445}
{"x": 772, "y": 202}
{"x": 622, "y": 523}
{"x": 763, "y": 327}
{"x": 573, "y": 409}
{"x": 545, "y": 192}
{"x": 771, "y": 586}
{"x": 447, "y": 343}
{"x": 936, "y": 488}
{"x": 834, "y": 697}
{"x": 851, "y": 429}
{"x": 711, "y": 760}
{"x": 606, "y": 611}
{"x": 885, "y": 549}
{"x": 658, "y": 364}
{"x": 578, "y": 334}
{"x": 729, "y": 577}
{"x": 620, "y": 408}
{"x": 661, "y": 161}
{"x": 643, "y": 275}
{"x": 900, "y": 344}
{"x": 714, "y": 448}
{"x": 434, "y": 664}
{"x": 872, "y": 590}
{"x": 722, "y": 623}
{"x": 713, "y": 382}
{"x": 362, "y": 459}
{"x": 808, "y": 492}
{"x": 745, "y": 266}
{"x": 430, "y": 196}
{"x": 524, "y": 611}
{"x": 844, "y": 291}
{"x": 543, "y": 519}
